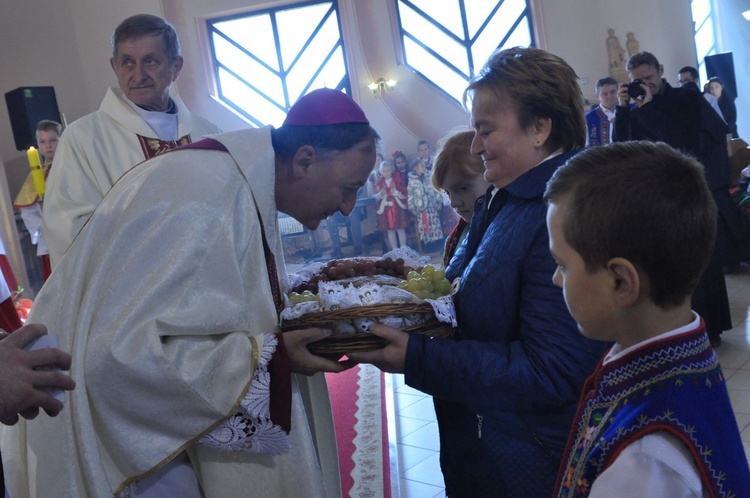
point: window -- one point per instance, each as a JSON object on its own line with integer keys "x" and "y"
{"x": 705, "y": 38}
{"x": 447, "y": 42}
{"x": 266, "y": 60}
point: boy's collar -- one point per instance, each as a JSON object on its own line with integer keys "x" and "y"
{"x": 617, "y": 352}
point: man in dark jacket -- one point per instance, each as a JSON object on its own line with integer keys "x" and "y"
{"x": 683, "y": 119}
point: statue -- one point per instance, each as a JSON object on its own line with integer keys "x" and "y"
{"x": 616, "y": 55}
{"x": 632, "y": 45}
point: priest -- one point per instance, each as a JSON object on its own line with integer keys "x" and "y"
{"x": 137, "y": 120}
{"x": 168, "y": 301}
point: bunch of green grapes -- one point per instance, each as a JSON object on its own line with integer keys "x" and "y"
{"x": 295, "y": 298}
{"x": 429, "y": 284}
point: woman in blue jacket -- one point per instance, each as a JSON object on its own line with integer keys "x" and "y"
{"x": 506, "y": 385}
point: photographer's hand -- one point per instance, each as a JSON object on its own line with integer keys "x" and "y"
{"x": 646, "y": 98}
{"x": 622, "y": 95}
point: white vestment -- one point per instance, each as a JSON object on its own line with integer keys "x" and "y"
{"x": 157, "y": 300}
{"x": 32, "y": 218}
{"x": 93, "y": 153}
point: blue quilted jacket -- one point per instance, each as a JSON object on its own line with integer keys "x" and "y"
{"x": 506, "y": 387}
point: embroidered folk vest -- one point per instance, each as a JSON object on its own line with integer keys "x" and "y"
{"x": 673, "y": 385}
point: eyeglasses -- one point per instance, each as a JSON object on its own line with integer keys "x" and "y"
{"x": 682, "y": 81}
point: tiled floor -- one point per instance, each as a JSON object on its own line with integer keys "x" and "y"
{"x": 416, "y": 429}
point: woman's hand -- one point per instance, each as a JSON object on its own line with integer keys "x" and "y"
{"x": 392, "y": 357}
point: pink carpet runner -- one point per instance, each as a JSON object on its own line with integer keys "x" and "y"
{"x": 359, "y": 418}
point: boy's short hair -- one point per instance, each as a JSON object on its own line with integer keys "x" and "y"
{"x": 642, "y": 201}
{"x": 689, "y": 69}
{"x": 49, "y": 125}
{"x": 454, "y": 153}
{"x": 607, "y": 80}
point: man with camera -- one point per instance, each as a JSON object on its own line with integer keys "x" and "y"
{"x": 683, "y": 119}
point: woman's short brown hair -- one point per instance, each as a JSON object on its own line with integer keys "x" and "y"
{"x": 541, "y": 85}
{"x": 642, "y": 201}
{"x": 454, "y": 153}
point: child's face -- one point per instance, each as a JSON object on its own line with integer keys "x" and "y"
{"x": 47, "y": 141}
{"x": 589, "y": 296}
{"x": 424, "y": 151}
{"x": 715, "y": 88}
{"x": 419, "y": 168}
{"x": 386, "y": 170}
{"x": 400, "y": 163}
{"x": 464, "y": 190}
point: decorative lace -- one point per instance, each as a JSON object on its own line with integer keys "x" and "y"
{"x": 337, "y": 295}
{"x": 250, "y": 429}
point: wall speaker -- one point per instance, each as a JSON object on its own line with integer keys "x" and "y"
{"x": 722, "y": 65}
{"x": 26, "y": 107}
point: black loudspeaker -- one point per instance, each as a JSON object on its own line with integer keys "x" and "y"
{"x": 26, "y": 107}
{"x": 722, "y": 65}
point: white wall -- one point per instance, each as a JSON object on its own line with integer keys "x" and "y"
{"x": 577, "y": 31}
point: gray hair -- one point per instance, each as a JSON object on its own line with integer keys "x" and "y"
{"x": 141, "y": 25}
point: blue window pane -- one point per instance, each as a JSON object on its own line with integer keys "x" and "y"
{"x": 521, "y": 36}
{"x": 447, "y": 14}
{"x": 506, "y": 17}
{"x": 245, "y": 99}
{"x": 423, "y": 62}
{"x": 333, "y": 73}
{"x": 295, "y": 28}
{"x": 313, "y": 57}
{"x": 477, "y": 11}
{"x": 266, "y": 60}
{"x": 704, "y": 40}
{"x": 255, "y": 34}
{"x": 431, "y": 36}
{"x": 447, "y": 56}
{"x": 701, "y": 11}
{"x": 247, "y": 68}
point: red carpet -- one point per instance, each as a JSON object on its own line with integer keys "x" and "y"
{"x": 359, "y": 417}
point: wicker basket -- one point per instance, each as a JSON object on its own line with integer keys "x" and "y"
{"x": 358, "y": 342}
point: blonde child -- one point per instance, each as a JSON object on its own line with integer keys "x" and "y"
{"x": 460, "y": 175}
{"x": 28, "y": 202}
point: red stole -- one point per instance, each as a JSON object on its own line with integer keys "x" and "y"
{"x": 152, "y": 147}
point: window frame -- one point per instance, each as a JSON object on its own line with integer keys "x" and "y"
{"x": 531, "y": 12}
{"x": 283, "y": 72}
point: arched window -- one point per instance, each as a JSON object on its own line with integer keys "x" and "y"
{"x": 266, "y": 60}
{"x": 446, "y": 42}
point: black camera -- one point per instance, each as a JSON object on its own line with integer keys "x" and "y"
{"x": 635, "y": 90}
